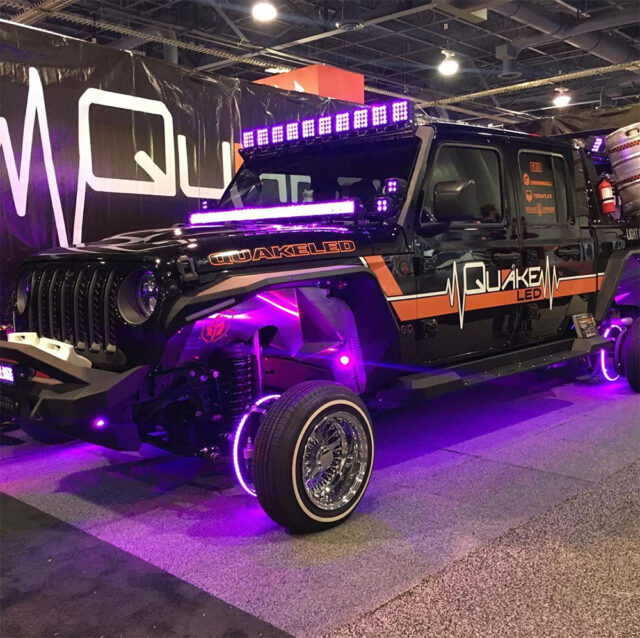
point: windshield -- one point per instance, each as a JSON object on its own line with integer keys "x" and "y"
{"x": 321, "y": 173}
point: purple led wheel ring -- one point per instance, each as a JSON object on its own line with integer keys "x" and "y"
{"x": 609, "y": 375}
{"x": 237, "y": 437}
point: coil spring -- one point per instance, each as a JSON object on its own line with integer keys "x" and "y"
{"x": 236, "y": 382}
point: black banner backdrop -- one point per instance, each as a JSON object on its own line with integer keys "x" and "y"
{"x": 95, "y": 141}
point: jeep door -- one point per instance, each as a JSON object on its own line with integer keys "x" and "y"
{"x": 466, "y": 243}
{"x": 557, "y": 252}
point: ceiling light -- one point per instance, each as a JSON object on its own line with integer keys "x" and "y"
{"x": 263, "y": 11}
{"x": 275, "y": 69}
{"x": 448, "y": 66}
{"x": 563, "y": 98}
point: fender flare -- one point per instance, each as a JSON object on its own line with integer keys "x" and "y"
{"x": 231, "y": 290}
{"x": 613, "y": 274}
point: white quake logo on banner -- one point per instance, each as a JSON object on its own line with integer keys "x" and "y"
{"x": 162, "y": 183}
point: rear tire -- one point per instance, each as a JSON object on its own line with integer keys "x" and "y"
{"x": 313, "y": 456}
{"x": 631, "y": 356}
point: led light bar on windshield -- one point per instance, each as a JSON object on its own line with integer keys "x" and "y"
{"x": 362, "y": 119}
{"x": 324, "y": 209}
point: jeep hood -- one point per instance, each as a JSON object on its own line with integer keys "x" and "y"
{"x": 231, "y": 245}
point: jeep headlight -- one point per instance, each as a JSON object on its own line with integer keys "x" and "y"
{"x": 22, "y": 291}
{"x": 147, "y": 293}
{"x": 138, "y": 296}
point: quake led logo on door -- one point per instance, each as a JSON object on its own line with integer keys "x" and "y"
{"x": 474, "y": 286}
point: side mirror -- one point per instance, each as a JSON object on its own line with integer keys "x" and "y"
{"x": 455, "y": 201}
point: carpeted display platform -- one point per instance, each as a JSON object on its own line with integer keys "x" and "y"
{"x": 452, "y": 478}
{"x": 57, "y": 581}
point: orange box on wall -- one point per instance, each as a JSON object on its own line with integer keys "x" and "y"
{"x": 319, "y": 79}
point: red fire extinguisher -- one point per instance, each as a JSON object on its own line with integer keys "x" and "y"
{"x": 607, "y": 200}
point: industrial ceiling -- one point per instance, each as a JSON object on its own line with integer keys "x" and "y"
{"x": 585, "y": 46}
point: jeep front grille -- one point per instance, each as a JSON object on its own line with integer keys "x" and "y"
{"x": 75, "y": 304}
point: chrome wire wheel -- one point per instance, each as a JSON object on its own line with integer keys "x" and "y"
{"x": 335, "y": 460}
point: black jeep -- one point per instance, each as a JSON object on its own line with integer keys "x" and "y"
{"x": 354, "y": 256}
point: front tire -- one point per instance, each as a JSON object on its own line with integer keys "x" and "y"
{"x": 313, "y": 456}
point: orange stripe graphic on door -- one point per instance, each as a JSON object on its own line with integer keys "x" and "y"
{"x": 473, "y": 287}
{"x": 384, "y": 276}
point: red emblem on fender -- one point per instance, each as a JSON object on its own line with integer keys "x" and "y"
{"x": 216, "y": 327}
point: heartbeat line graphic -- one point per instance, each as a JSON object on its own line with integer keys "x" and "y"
{"x": 474, "y": 285}
{"x": 552, "y": 283}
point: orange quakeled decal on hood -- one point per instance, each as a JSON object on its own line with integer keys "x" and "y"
{"x": 285, "y": 251}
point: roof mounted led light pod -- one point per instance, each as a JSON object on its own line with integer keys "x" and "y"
{"x": 597, "y": 144}
{"x": 367, "y": 118}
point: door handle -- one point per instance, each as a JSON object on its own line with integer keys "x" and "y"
{"x": 565, "y": 253}
{"x": 507, "y": 256}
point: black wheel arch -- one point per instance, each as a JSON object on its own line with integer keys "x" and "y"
{"x": 621, "y": 264}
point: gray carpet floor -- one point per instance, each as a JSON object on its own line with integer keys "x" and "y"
{"x": 452, "y": 478}
{"x": 571, "y": 572}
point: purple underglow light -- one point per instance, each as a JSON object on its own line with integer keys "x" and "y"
{"x": 379, "y": 115}
{"x": 248, "y": 139}
{"x": 597, "y": 144}
{"x": 614, "y": 376}
{"x": 622, "y": 296}
{"x": 308, "y": 128}
{"x": 400, "y": 111}
{"x": 236, "y": 440}
{"x": 324, "y": 125}
{"x": 382, "y": 204}
{"x": 279, "y": 306}
{"x": 6, "y": 374}
{"x": 323, "y": 209}
{"x": 342, "y": 122}
{"x": 360, "y": 118}
{"x": 344, "y": 360}
{"x": 99, "y": 423}
{"x": 293, "y": 131}
{"x": 277, "y": 134}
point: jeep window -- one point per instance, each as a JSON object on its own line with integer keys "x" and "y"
{"x": 458, "y": 163}
{"x": 543, "y": 188}
{"x": 321, "y": 173}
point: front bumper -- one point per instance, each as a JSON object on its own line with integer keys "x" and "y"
{"x": 81, "y": 402}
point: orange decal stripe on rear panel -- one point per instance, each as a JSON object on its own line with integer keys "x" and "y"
{"x": 384, "y": 276}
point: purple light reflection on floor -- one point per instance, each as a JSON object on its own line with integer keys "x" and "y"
{"x": 423, "y": 510}
{"x": 445, "y": 421}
